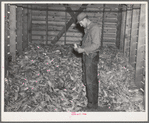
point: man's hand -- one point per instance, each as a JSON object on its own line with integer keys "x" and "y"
{"x": 79, "y": 50}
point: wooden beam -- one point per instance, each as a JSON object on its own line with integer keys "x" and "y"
{"x": 119, "y": 18}
{"x": 12, "y": 23}
{"x": 127, "y": 33}
{"x": 134, "y": 36}
{"x": 65, "y": 27}
{"x": 47, "y": 26}
{"x": 102, "y": 35}
{"x": 68, "y": 25}
{"x": 123, "y": 26}
{"x": 29, "y": 23}
{"x": 70, "y": 11}
{"x": 140, "y": 47}
{"x": 25, "y": 33}
{"x": 19, "y": 30}
{"x": 7, "y": 40}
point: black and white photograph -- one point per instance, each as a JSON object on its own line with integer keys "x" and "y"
{"x": 74, "y": 61}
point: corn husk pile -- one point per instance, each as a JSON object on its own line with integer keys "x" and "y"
{"x": 116, "y": 78}
{"x": 45, "y": 79}
{"x": 49, "y": 79}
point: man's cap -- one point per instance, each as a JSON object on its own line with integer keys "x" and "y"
{"x": 81, "y": 16}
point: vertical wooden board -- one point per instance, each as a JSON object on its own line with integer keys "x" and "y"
{"x": 6, "y": 39}
{"x": 119, "y": 18}
{"x": 25, "y": 33}
{"x": 140, "y": 47}
{"x": 127, "y": 33}
{"x": 29, "y": 22}
{"x": 103, "y": 25}
{"x": 47, "y": 26}
{"x": 134, "y": 37}
{"x": 12, "y": 23}
{"x": 123, "y": 26}
{"x": 19, "y": 30}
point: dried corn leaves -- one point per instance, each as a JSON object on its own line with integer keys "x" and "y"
{"x": 49, "y": 79}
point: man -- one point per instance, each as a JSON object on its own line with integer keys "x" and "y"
{"x": 90, "y": 49}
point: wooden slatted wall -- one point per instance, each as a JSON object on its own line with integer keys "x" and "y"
{"x": 57, "y": 20}
{"x": 141, "y": 49}
{"x": 133, "y": 40}
{"x": 7, "y": 36}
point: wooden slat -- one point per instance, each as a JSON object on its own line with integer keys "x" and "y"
{"x": 57, "y": 28}
{"x": 19, "y": 30}
{"x": 51, "y": 22}
{"x": 140, "y": 49}
{"x": 7, "y": 40}
{"x": 109, "y": 43}
{"x": 127, "y": 33}
{"x": 67, "y": 26}
{"x": 59, "y": 42}
{"x": 102, "y": 33}
{"x": 50, "y": 18}
{"x": 51, "y": 13}
{"x": 107, "y": 25}
{"x": 106, "y": 30}
{"x": 12, "y": 23}
{"x": 29, "y": 23}
{"x": 123, "y": 26}
{"x": 25, "y": 29}
{"x": 119, "y": 18}
{"x": 111, "y": 20}
{"x": 134, "y": 38}
{"x": 109, "y": 40}
{"x": 47, "y": 25}
{"x": 52, "y": 37}
{"x": 54, "y": 33}
{"x": 109, "y": 35}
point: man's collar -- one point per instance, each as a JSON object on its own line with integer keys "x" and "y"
{"x": 88, "y": 27}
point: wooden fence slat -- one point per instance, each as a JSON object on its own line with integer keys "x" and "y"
{"x": 123, "y": 25}
{"x": 29, "y": 23}
{"x": 12, "y": 23}
{"x": 54, "y": 33}
{"x": 19, "y": 30}
{"x": 109, "y": 35}
{"x": 134, "y": 38}
{"x": 47, "y": 25}
{"x": 127, "y": 33}
{"x": 140, "y": 49}
{"x": 7, "y": 40}
{"x": 25, "y": 29}
{"x": 119, "y": 18}
{"x": 102, "y": 33}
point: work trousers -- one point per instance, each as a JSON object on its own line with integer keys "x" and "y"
{"x": 90, "y": 79}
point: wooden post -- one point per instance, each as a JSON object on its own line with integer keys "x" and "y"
{"x": 65, "y": 27}
{"x": 119, "y": 18}
{"x": 29, "y": 23}
{"x": 19, "y": 30}
{"x": 123, "y": 25}
{"x": 141, "y": 47}
{"x": 102, "y": 25}
{"x": 134, "y": 35}
{"x": 47, "y": 25}
{"x": 12, "y": 23}
{"x": 25, "y": 33}
{"x": 127, "y": 32}
{"x": 7, "y": 40}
